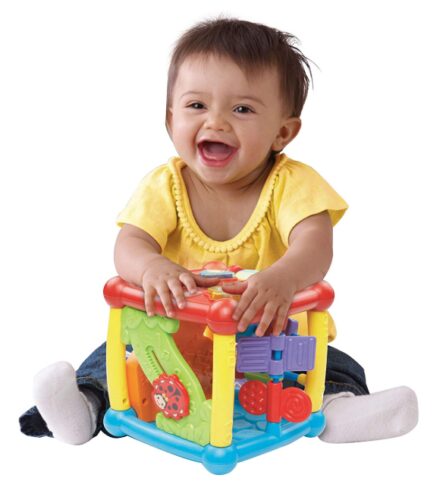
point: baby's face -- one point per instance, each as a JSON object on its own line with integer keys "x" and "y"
{"x": 222, "y": 124}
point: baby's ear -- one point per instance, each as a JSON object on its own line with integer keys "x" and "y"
{"x": 168, "y": 122}
{"x": 288, "y": 130}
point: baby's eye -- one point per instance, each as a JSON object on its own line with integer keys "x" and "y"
{"x": 196, "y": 105}
{"x": 243, "y": 109}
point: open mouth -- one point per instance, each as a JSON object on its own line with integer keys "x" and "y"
{"x": 216, "y": 153}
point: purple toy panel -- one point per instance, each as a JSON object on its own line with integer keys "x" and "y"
{"x": 274, "y": 355}
{"x": 253, "y": 354}
{"x": 299, "y": 353}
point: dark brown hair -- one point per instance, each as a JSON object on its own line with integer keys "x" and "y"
{"x": 252, "y": 47}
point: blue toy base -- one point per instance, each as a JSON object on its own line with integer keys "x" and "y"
{"x": 252, "y": 436}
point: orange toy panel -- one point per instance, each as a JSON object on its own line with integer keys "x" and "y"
{"x": 140, "y": 391}
{"x": 197, "y": 351}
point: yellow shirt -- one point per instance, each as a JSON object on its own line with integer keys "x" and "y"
{"x": 293, "y": 191}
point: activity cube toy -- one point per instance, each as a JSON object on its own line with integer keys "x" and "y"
{"x": 195, "y": 387}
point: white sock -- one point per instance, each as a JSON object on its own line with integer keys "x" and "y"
{"x": 381, "y": 415}
{"x": 70, "y": 414}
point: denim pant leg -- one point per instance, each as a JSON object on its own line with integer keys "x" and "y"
{"x": 90, "y": 375}
{"x": 343, "y": 374}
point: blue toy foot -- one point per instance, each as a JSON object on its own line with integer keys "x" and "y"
{"x": 219, "y": 460}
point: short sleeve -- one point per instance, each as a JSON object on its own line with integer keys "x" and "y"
{"x": 152, "y": 206}
{"x": 301, "y": 192}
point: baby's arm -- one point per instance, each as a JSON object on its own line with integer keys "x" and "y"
{"x": 138, "y": 260}
{"x": 305, "y": 263}
{"x": 310, "y": 251}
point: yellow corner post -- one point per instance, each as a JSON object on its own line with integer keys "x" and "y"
{"x": 223, "y": 389}
{"x": 318, "y": 326}
{"x": 116, "y": 363}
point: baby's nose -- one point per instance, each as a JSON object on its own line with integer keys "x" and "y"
{"x": 217, "y": 121}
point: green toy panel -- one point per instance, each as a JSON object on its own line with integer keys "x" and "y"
{"x": 154, "y": 346}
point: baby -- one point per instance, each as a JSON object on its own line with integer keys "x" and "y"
{"x": 234, "y": 98}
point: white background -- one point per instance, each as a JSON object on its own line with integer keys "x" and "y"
{"x": 82, "y": 120}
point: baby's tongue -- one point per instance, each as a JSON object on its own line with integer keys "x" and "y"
{"x": 216, "y": 150}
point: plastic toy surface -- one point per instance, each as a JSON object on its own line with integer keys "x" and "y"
{"x": 178, "y": 391}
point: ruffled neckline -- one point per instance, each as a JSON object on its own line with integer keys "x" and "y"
{"x": 190, "y": 225}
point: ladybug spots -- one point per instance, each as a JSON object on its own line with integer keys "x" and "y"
{"x": 171, "y": 397}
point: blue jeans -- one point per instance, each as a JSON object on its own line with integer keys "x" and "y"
{"x": 343, "y": 374}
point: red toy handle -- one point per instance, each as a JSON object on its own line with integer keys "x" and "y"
{"x": 258, "y": 398}
{"x": 216, "y": 313}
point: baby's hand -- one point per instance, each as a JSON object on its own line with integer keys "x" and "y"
{"x": 269, "y": 290}
{"x": 166, "y": 279}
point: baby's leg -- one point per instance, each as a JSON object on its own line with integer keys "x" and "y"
{"x": 70, "y": 405}
{"x": 353, "y": 414}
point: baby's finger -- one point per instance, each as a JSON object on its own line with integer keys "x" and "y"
{"x": 177, "y": 291}
{"x": 265, "y": 321}
{"x": 149, "y": 296}
{"x": 205, "y": 282}
{"x": 250, "y": 312}
{"x": 234, "y": 287}
{"x": 247, "y": 297}
{"x": 188, "y": 281}
{"x": 281, "y": 317}
{"x": 165, "y": 297}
